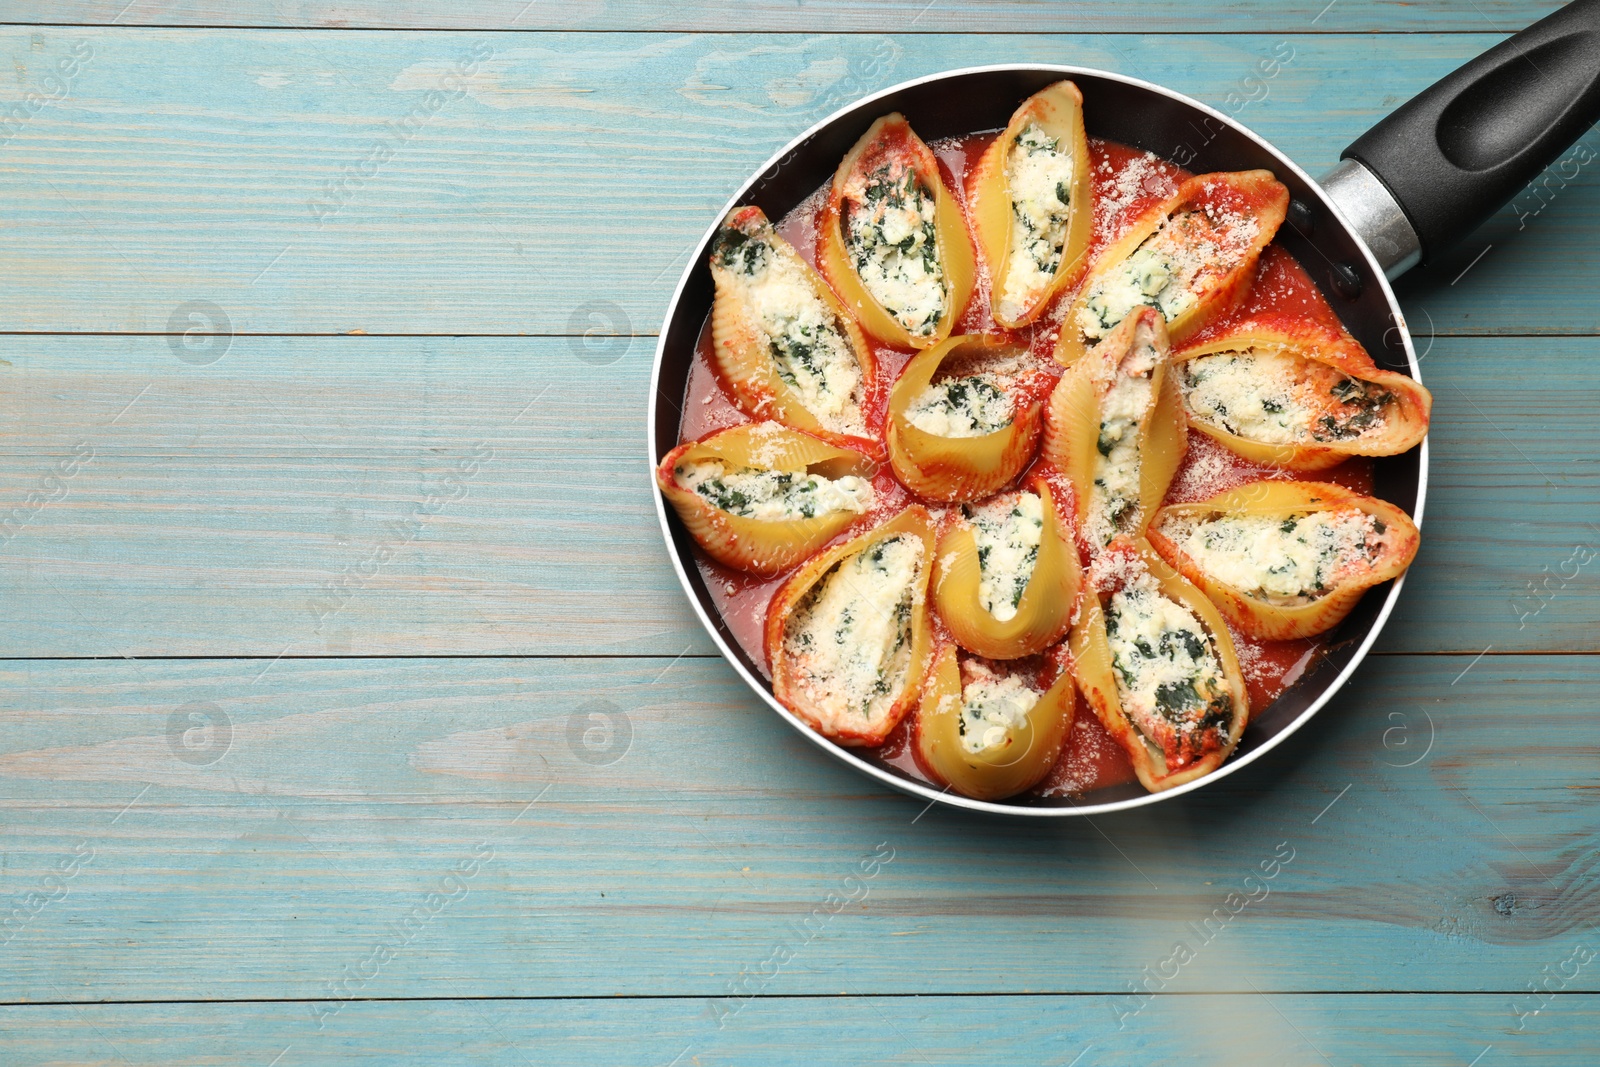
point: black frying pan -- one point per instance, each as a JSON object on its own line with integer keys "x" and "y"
{"x": 1403, "y": 193}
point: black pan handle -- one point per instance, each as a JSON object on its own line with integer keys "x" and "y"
{"x": 1460, "y": 151}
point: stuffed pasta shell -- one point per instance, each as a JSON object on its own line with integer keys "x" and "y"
{"x": 1286, "y": 559}
{"x": 961, "y": 424}
{"x": 990, "y": 730}
{"x": 763, "y": 497}
{"x": 1115, "y": 427}
{"x": 1006, "y": 576}
{"x": 848, "y": 635}
{"x": 892, "y": 241}
{"x": 785, "y": 346}
{"x": 1157, "y": 665}
{"x": 1192, "y": 257}
{"x": 1300, "y": 395}
{"x": 1032, "y": 209}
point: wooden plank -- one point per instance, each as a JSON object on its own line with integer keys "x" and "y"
{"x": 1295, "y": 1030}
{"x": 277, "y": 175}
{"x": 1510, "y": 541}
{"x": 324, "y": 497}
{"x": 1009, "y": 16}
{"x": 250, "y": 506}
{"x": 1432, "y": 835}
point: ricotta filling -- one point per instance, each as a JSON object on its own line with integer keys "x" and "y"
{"x": 773, "y": 496}
{"x": 1285, "y": 560}
{"x": 891, "y": 235}
{"x": 992, "y": 706}
{"x": 968, "y": 406}
{"x": 807, "y": 344}
{"x": 1114, "y": 497}
{"x": 1169, "y": 268}
{"x": 1007, "y": 533}
{"x": 849, "y": 637}
{"x": 1169, "y": 678}
{"x": 1039, "y": 175}
{"x": 1280, "y": 398}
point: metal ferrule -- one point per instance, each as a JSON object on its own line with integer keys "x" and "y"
{"x": 1375, "y": 216}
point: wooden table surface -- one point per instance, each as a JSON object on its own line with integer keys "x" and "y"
{"x": 350, "y": 711}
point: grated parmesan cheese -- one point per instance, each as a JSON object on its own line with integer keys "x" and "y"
{"x": 1169, "y": 677}
{"x": 1139, "y": 178}
{"x": 805, "y": 340}
{"x": 992, "y": 706}
{"x": 968, "y": 406}
{"x": 1284, "y": 560}
{"x": 1114, "y": 497}
{"x": 773, "y": 496}
{"x": 1171, "y": 269}
{"x": 891, "y": 235}
{"x": 1277, "y": 397}
{"x": 1007, "y": 532}
{"x": 849, "y": 637}
{"x": 1039, "y": 175}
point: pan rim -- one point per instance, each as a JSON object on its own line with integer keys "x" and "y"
{"x": 923, "y": 790}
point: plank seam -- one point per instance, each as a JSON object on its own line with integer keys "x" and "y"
{"x": 1050, "y": 994}
{"x": 661, "y": 30}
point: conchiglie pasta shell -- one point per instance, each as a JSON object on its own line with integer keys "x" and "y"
{"x": 1255, "y": 192}
{"x": 1403, "y": 427}
{"x": 1072, "y": 417}
{"x": 742, "y": 351}
{"x": 1058, "y": 110}
{"x": 1096, "y": 677}
{"x": 786, "y": 676}
{"x": 760, "y": 546}
{"x": 955, "y": 246}
{"x": 1274, "y": 622}
{"x": 951, "y": 469}
{"x": 1045, "y": 611}
{"x": 774, "y": 447}
{"x": 995, "y": 772}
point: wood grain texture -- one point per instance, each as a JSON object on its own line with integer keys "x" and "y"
{"x": 615, "y": 816}
{"x": 309, "y": 496}
{"x": 277, "y": 499}
{"x": 276, "y": 173}
{"x": 1293, "y": 1030}
{"x": 682, "y": 835}
{"x": 1008, "y": 16}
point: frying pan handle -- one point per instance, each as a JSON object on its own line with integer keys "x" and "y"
{"x": 1454, "y": 155}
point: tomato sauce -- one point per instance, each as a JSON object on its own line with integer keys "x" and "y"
{"x": 1127, "y": 182}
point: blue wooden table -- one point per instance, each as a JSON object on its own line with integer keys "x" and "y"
{"x": 349, "y": 709}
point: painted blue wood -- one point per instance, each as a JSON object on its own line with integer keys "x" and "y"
{"x": 308, "y": 183}
{"x": 960, "y": 16}
{"x": 248, "y": 836}
{"x": 198, "y": 829}
{"x": 1419, "y": 1030}
{"x": 276, "y": 500}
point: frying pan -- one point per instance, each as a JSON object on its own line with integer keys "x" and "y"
{"x": 1402, "y": 193}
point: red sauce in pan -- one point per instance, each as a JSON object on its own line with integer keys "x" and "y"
{"x": 1126, "y": 182}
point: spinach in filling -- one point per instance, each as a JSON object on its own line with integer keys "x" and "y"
{"x": 1168, "y": 674}
{"x": 737, "y": 251}
{"x": 968, "y": 406}
{"x": 1361, "y": 406}
{"x": 770, "y": 495}
{"x": 892, "y": 237}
